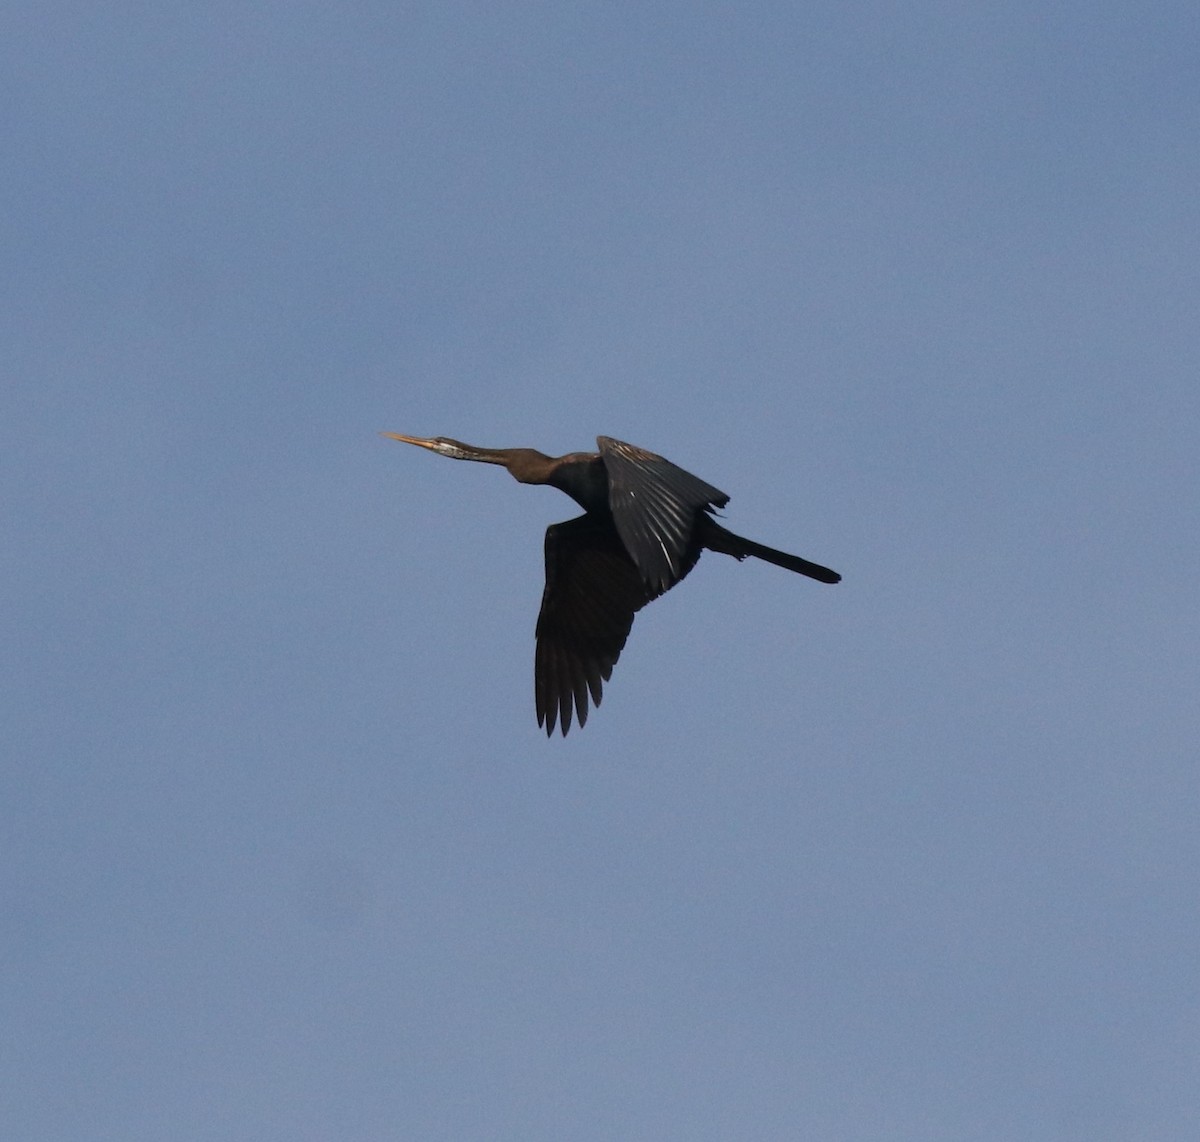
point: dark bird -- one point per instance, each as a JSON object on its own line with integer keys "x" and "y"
{"x": 644, "y": 526}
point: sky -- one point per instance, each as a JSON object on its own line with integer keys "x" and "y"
{"x": 283, "y": 852}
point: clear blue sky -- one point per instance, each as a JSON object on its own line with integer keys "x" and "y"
{"x": 283, "y": 853}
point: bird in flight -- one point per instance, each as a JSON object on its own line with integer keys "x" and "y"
{"x": 645, "y": 522}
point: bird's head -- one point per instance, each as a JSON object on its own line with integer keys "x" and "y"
{"x": 442, "y": 445}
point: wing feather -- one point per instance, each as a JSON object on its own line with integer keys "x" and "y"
{"x": 655, "y": 505}
{"x": 593, "y": 590}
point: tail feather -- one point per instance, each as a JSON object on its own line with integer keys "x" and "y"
{"x": 718, "y": 538}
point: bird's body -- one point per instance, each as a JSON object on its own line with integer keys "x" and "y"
{"x": 645, "y": 523}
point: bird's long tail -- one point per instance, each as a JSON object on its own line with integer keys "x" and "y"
{"x": 718, "y": 538}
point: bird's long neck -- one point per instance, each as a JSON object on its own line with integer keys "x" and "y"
{"x": 580, "y": 474}
{"x": 526, "y": 464}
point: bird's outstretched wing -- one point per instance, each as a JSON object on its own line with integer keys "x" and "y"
{"x": 593, "y": 590}
{"x": 654, "y": 505}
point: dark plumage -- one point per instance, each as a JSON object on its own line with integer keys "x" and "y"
{"x": 645, "y": 523}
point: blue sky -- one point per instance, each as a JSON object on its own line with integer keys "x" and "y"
{"x": 283, "y": 853}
